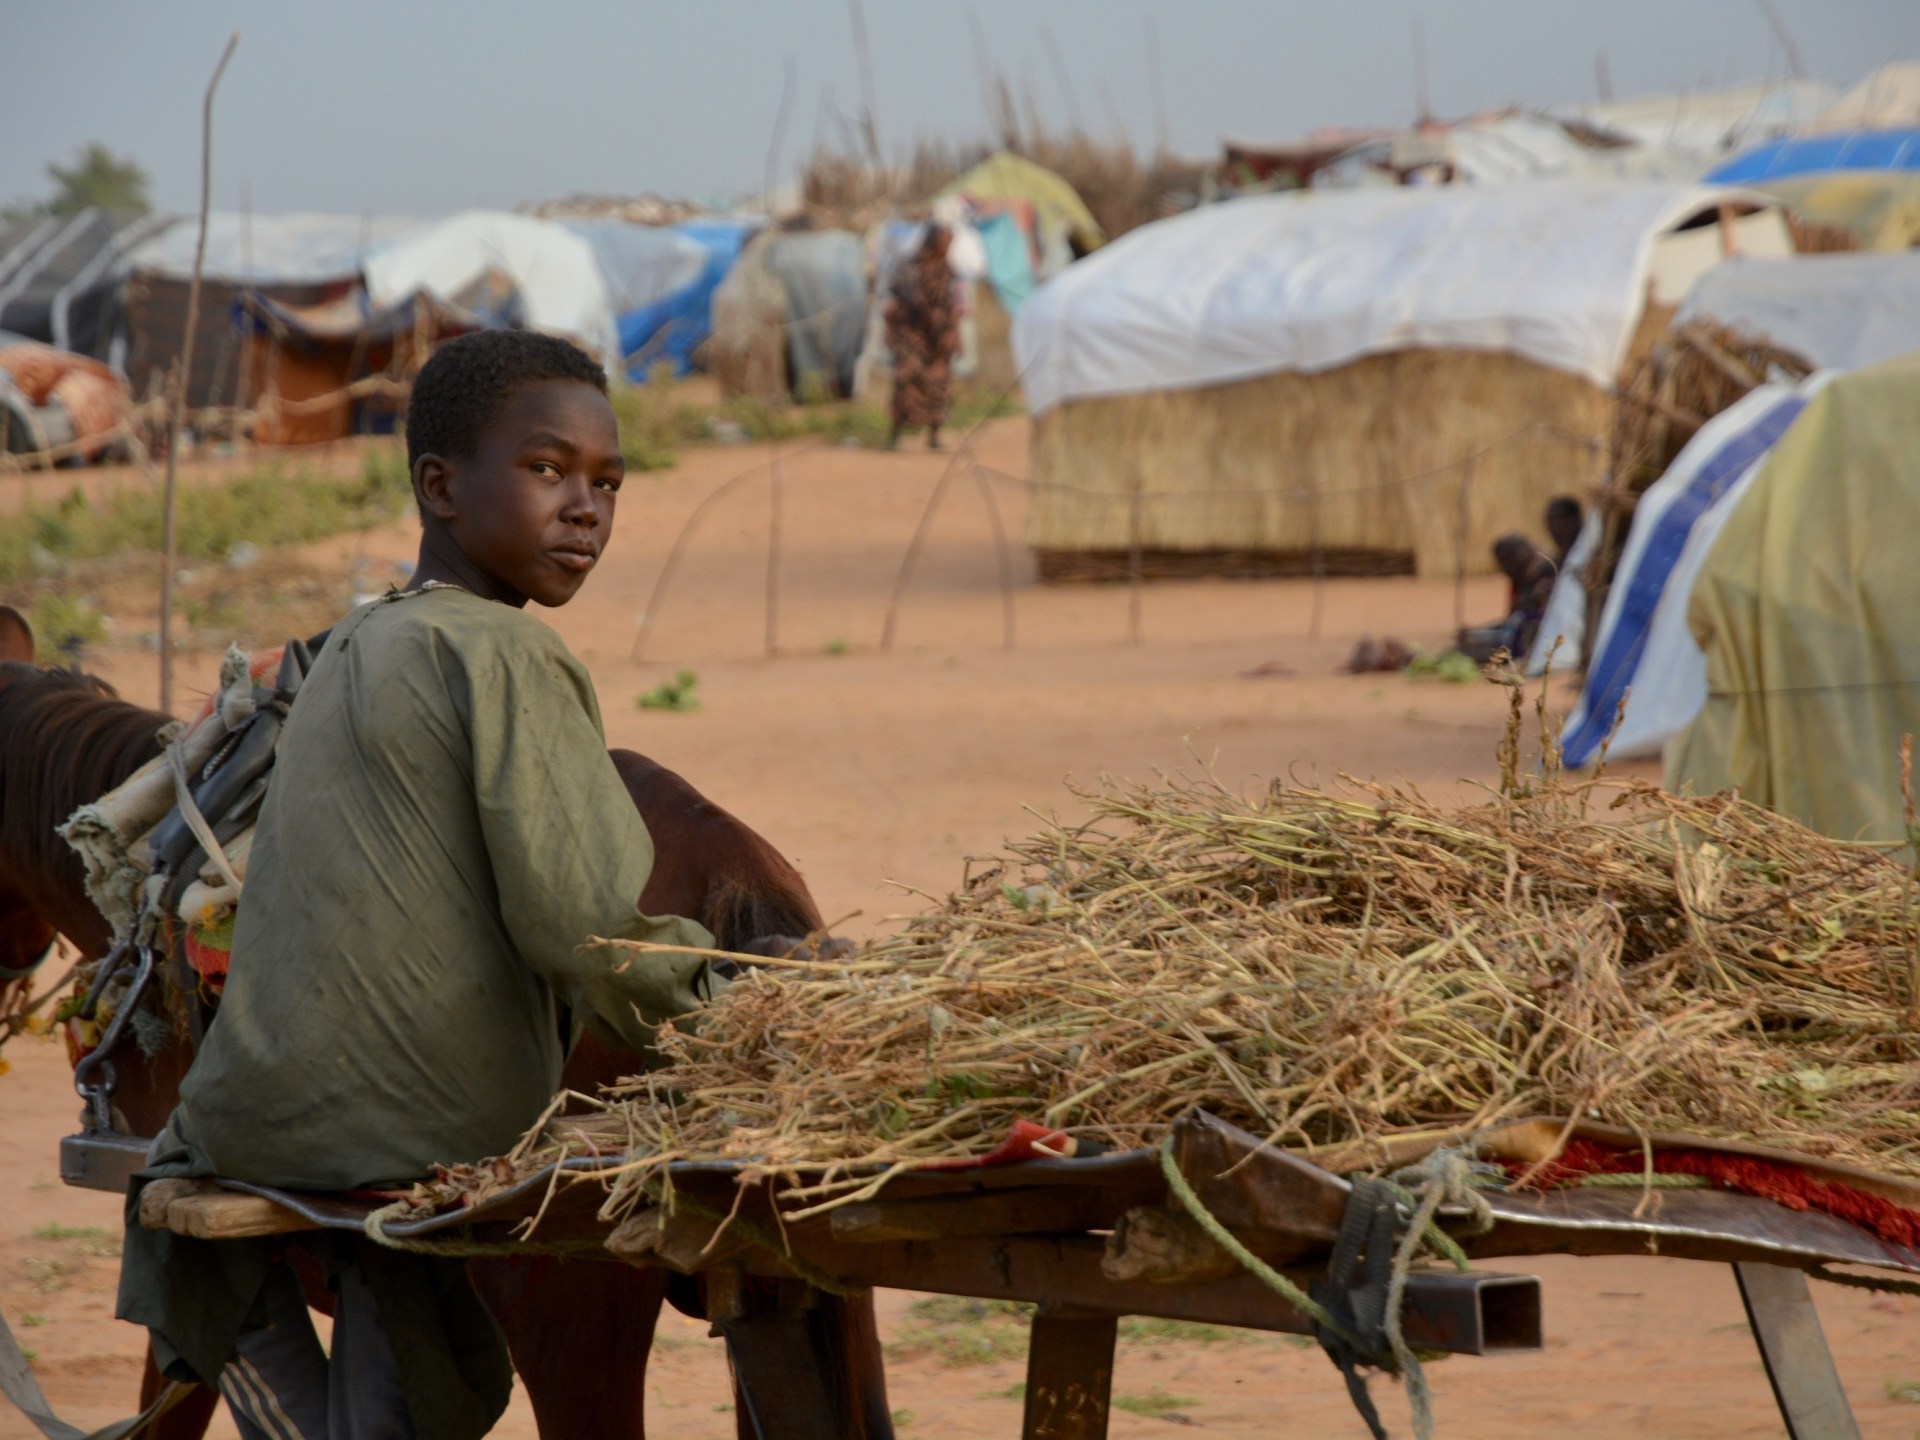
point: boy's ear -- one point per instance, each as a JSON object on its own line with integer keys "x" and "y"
{"x": 16, "y": 636}
{"x": 433, "y": 487}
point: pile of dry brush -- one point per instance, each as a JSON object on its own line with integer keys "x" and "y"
{"x": 1323, "y": 968}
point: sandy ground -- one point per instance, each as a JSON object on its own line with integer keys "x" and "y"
{"x": 879, "y": 772}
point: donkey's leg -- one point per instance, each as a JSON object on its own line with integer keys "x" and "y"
{"x": 579, "y": 1332}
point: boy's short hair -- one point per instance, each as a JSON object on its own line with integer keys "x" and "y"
{"x": 461, "y": 388}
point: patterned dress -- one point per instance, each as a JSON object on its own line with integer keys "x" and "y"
{"x": 923, "y": 334}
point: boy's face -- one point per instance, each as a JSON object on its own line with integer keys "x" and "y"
{"x": 532, "y": 508}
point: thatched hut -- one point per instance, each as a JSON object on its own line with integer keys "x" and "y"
{"x": 1365, "y": 381}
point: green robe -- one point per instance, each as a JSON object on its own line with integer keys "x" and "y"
{"x": 443, "y": 831}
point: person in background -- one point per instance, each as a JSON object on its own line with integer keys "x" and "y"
{"x": 1564, "y": 519}
{"x": 923, "y": 333}
{"x": 1530, "y": 576}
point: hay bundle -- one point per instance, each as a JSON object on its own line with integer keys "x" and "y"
{"x": 1323, "y": 969}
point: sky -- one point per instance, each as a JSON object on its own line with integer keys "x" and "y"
{"x": 391, "y": 107}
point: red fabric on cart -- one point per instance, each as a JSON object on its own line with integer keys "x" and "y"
{"x": 1025, "y": 1141}
{"x": 1773, "y": 1180}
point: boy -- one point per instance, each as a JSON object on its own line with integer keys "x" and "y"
{"x": 443, "y": 831}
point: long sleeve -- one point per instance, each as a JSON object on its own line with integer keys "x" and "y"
{"x": 570, "y": 854}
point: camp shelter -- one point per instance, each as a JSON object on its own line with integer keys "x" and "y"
{"x": 61, "y": 277}
{"x": 1063, "y": 224}
{"x": 1708, "y": 124}
{"x": 1842, "y": 312}
{"x": 320, "y": 372}
{"x": 561, "y": 288}
{"x": 673, "y": 327}
{"x": 1846, "y": 150}
{"x": 642, "y": 265}
{"x": 1804, "y": 611}
{"x": 293, "y": 259}
{"x": 1887, "y": 99}
{"x": 1878, "y": 209}
{"x": 1369, "y": 380}
{"x": 54, "y": 398}
{"x": 1644, "y": 658}
{"x": 790, "y": 318}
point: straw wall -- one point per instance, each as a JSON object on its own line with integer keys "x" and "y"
{"x": 1424, "y": 454}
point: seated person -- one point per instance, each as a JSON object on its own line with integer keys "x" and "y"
{"x": 443, "y": 833}
{"x": 1530, "y": 577}
{"x": 1564, "y": 519}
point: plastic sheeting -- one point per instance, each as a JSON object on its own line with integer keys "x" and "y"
{"x": 1841, "y": 311}
{"x": 673, "y": 327}
{"x": 1550, "y": 270}
{"x": 296, "y": 249}
{"x": 1564, "y": 626}
{"x": 1643, "y": 654}
{"x": 1057, "y": 205}
{"x": 1805, "y": 611}
{"x": 561, "y": 288}
{"x": 640, "y": 263}
{"x": 1860, "y": 150}
{"x": 826, "y": 288}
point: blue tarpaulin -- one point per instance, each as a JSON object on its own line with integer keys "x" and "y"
{"x": 1815, "y": 154}
{"x": 672, "y": 327}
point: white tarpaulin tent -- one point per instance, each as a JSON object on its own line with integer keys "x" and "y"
{"x": 554, "y": 270}
{"x": 1554, "y": 271}
{"x": 1842, "y": 312}
{"x": 297, "y": 249}
{"x": 1644, "y": 654}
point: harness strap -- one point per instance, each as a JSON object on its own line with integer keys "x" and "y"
{"x": 22, "y": 1387}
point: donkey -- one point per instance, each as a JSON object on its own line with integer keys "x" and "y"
{"x": 578, "y": 1330}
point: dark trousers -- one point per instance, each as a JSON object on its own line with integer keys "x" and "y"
{"x": 282, "y": 1386}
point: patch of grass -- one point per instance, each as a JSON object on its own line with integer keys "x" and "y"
{"x": 1905, "y": 1391}
{"x": 1157, "y": 1404}
{"x": 63, "y": 627}
{"x": 47, "y": 1276}
{"x": 902, "y": 1418}
{"x": 86, "y": 1239}
{"x": 54, "y": 1230}
{"x": 837, "y": 646}
{"x": 1448, "y": 665}
{"x": 960, "y": 1331}
{"x": 653, "y": 424}
{"x": 675, "y": 694}
{"x": 271, "y": 505}
{"x": 1016, "y": 1391}
{"x": 30, "y": 1319}
{"x": 1146, "y": 1330}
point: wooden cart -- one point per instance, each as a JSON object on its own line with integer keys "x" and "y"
{"x": 1051, "y": 1232}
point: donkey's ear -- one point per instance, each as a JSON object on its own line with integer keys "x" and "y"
{"x": 16, "y": 636}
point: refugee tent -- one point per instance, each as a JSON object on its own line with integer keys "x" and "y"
{"x": 55, "y": 399}
{"x": 294, "y": 259}
{"x": 642, "y": 265}
{"x": 674, "y": 326}
{"x": 1644, "y": 658}
{"x": 1842, "y": 312}
{"x": 1503, "y": 145}
{"x": 1708, "y": 124}
{"x": 558, "y": 279}
{"x": 1819, "y": 154}
{"x": 1888, "y": 99}
{"x": 789, "y": 319}
{"x": 1061, "y": 225}
{"x": 1805, "y": 613}
{"x": 320, "y": 372}
{"x": 60, "y": 279}
{"x": 1377, "y": 380}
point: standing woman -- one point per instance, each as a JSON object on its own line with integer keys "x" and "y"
{"x": 923, "y": 334}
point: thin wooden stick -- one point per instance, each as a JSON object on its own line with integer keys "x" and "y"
{"x": 169, "y": 543}
{"x": 1001, "y": 553}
